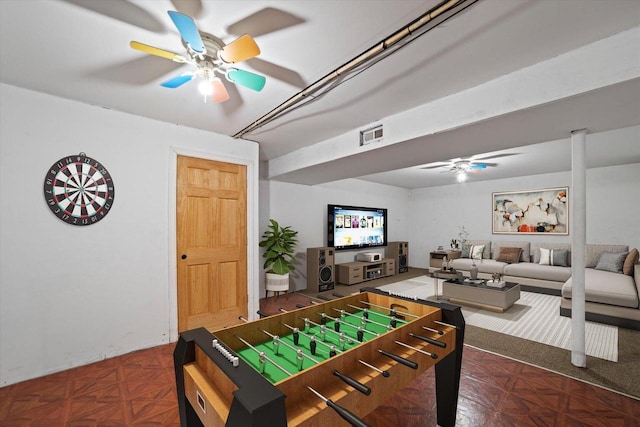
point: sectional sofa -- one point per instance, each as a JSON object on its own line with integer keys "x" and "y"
{"x": 611, "y": 297}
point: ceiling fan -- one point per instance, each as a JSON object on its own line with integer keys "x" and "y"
{"x": 461, "y": 167}
{"x": 211, "y": 57}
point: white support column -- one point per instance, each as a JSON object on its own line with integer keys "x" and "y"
{"x": 578, "y": 229}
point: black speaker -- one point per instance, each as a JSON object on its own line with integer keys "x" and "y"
{"x": 399, "y": 251}
{"x": 320, "y": 269}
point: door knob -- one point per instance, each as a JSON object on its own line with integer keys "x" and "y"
{"x": 183, "y": 256}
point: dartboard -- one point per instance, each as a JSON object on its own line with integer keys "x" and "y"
{"x": 79, "y": 190}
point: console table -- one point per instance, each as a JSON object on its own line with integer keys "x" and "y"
{"x": 350, "y": 273}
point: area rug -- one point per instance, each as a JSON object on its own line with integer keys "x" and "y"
{"x": 535, "y": 317}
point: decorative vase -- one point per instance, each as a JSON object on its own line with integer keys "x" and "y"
{"x": 473, "y": 271}
{"x": 444, "y": 263}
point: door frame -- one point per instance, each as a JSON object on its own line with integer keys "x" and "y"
{"x": 253, "y": 297}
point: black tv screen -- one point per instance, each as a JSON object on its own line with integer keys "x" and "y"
{"x": 353, "y": 227}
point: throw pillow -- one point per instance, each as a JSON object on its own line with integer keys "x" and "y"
{"x": 612, "y": 262}
{"x": 476, "y": 252}
{"x": 557, "y": 257}
{"x": 510, "y": 255}
{"x": 630, "y": 261}
{"x": 466, "y": 251}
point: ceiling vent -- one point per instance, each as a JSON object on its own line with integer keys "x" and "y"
{"x": 370, "y": 135}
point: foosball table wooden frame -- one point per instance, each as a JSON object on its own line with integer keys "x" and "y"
{"x": 217, "y": 388}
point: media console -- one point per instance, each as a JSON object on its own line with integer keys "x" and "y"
{"x": 350, "y": 273}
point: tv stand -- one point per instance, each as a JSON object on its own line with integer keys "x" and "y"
{"x": 350, "y": 273}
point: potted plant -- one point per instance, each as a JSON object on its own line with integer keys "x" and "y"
{"x": 279, "y": 245}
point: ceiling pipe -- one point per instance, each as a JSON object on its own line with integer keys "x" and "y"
{"x": 444, "y": 10}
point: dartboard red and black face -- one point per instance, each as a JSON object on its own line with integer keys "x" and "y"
{"x": 79, "y": 190}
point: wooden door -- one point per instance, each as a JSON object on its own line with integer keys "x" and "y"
{"x": 211, "y": 243}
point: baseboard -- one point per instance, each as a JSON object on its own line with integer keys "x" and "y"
{"x": 540, "y": 290}
{"x": 608, "y": 320}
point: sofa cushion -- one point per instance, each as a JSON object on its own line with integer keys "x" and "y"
{"x": 476, "y": 251}
{"x": 525, "y": 256}
{"x": 611, "y": 262}
{"x": 486, "y": 253}
{"x": 537, "y": 271}
{"x": 509, "y": 255}
{"x": 606, "y": 288}
{"x": 484, "y": 266}
{"x": 631, "y": 259}
{"x": 537, "y": 246}
{"x": 557, "y": 257}
{"x": 592, "y": 253}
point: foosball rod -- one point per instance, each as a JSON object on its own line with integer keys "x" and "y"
{"x": 297, "y": 350}
{"x": 390, "y": 309}
{"x": 406, "y": 362}
{"x": 362, "y": 318}
{"x": 419, "y": 350}
{"x": 331, "y": 347}
{"x": 366, "y": 310}
{"x": 347, "y": 379}
{"x": 429, "y": 340}
{"x": 262, "y": 354}
{"x": 445, "y": 324}
{"x": 346, "y": 414}
{"x": 384, "y": 373}
{"x": 324, "y": 327}
{"x": 435, "y": 331}
{"x": 335, "y": 319}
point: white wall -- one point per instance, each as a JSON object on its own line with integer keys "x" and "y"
{"x": 613, "y": 203}
{"x": 72, "y": 295}
{"x": 305, "y": 209}
{"x": 429, "y": 217}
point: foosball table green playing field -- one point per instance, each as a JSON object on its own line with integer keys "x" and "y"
{"x": 324, "y": 364}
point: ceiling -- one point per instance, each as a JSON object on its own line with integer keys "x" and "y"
{"x": 81, "y": 52}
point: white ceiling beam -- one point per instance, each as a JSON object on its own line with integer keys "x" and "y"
{"x": 604, "y": 63}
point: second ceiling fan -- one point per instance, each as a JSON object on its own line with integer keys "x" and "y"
{"x": 211, "y": 57}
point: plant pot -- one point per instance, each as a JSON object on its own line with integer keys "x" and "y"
{"x": 276, "y": 283}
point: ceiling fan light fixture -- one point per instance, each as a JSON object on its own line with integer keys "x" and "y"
{"x": 461, "y": 176}
{"x": 205, "y": 87}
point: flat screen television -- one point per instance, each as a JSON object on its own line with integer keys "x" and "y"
{"x": 354, "y": 227}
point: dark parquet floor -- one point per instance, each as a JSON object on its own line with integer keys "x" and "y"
{"x": 138, "y": 389}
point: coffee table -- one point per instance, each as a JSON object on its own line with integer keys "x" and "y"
{"x": 472, "y": 293}
{"x": 443, "y": 274}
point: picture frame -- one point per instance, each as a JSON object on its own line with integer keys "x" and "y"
{"x": 543, "y": 211}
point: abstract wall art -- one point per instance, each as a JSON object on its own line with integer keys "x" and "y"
{"x": 531, "y": 211}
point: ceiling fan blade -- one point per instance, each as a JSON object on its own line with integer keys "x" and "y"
{"x": 281, "y": 73}
{"x": 188, "y": 7}
{"x": 124, "y": 11}
{"x": 436, "y": 166}
{"x": 265, "y": 21}
{"x": 496, "y": 156}
{"x": 478, "y": 166}
{"x": 188, "y": 30}
{"x": 246, "y": 79}
{"x": 241, "y": 49}
{"x": 157, "y": 51}
{"x": 178, "y": 81}
{"x": 220, "y": 93}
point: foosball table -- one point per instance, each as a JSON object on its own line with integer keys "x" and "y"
{"x": 319, "y": 365}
